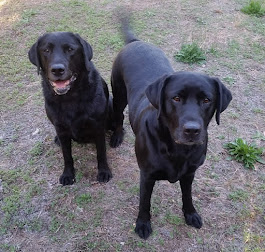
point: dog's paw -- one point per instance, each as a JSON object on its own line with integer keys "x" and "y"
{"x": 116, "y": 139}
{"x": 104, "y": 176}
{"x": 193, "y": 219}
{"x": 67, "y": 179}
{"x": 143, "y": 229}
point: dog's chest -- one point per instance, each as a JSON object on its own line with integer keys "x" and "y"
{"x": 172, "y": 166}
{"x": 81, "y": 121}
{"x": 172, "y": 170}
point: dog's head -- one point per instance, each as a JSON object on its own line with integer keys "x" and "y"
{"x": 61, "y": 57}
{"x": 186, "y": 103}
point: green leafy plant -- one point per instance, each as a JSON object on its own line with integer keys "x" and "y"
{"x": 246, "y": 153}
{"x": 190, "y": 53}
{"x": 254, "y": 8}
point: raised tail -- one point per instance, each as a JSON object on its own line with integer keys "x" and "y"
{"x": 127, "y": 33}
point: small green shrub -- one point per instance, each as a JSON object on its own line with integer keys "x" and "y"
{"x": 190, "y": 53}
{"x": 243, "y": 152}
{"x": 254, "y": 8}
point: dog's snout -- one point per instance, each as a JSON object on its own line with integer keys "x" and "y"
{"x": 57, "y": 69}
{"x": 192, "y": 128}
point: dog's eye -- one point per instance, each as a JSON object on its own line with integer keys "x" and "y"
{"x": 206, "y": 100}
{"x": 176, "y": 98}
{"x": 46, "y": 50}
{"x": 70, "y": 49}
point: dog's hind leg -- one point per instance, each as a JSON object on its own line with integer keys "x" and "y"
{"x": 192, "y": 218}
{"x": 119, "y": 104}
{"x": 104, "y": 173}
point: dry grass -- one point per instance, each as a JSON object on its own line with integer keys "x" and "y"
{"x": 37, "y": 214}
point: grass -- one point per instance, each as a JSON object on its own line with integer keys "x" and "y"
{"x": 190, "y": 54}
{"x": 83, "y": 199}
{"x": 254, "y": 8}
{"x": 173, "y": 219}
{"x": 246, "y": 153}
{"x": 37, "y": 149}
{"x": 239, "y": 195}
{"x": 89, "y": 216}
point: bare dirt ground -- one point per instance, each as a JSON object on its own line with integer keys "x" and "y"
{"x": 37, "y": 214}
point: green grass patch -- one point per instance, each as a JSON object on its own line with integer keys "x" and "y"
{"x": 254, "y": 8}
{"x": 173, "y": 219}
{"x": 248, "y": 154}
{"x": 55, "y": 225}
{"x": 238, "y": 195}
{"x": 190, "y": 54}
{"x": 36, "y": 150}
{"x": 259, "y": 135}
{"x": 83, "y": 199}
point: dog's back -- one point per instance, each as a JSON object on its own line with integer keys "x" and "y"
{"x": 135, "y": 60}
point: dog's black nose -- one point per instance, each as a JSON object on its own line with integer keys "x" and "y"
{"x": 192, "y": 128}
{"x": 57, "y": 69}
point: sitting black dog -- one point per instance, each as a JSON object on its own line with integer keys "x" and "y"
{"x": 76, "y": 97}
{"x": 169, "y": 113}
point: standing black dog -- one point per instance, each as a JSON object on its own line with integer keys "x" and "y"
{"x": 76, "y": 97}
{"x": 169, "y": 113}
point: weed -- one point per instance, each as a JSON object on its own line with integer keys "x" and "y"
{"x": 243, "y": 152}
{"x": 254, "y": 8}
{"x": 190, "y": 53}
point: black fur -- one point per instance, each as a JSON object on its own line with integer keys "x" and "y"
{"x": 76, "y": 97}
{"x": 169, "y": 113}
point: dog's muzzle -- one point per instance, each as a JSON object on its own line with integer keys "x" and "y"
{"x": 61, "y": 87}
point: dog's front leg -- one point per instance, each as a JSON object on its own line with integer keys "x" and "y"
{"x": 104, "y": 173}
{"x": 68, "y": 176}
{"x": 191, "y": 216}
{"x": 143, "y": 224}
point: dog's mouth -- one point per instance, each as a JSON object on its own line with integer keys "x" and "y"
{"x": 61, "y": 87}
{"x": 191, "y": 142}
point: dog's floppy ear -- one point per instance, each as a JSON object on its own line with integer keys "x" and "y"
{"x": 34, "y": 56}
{"x": 224, "y": 97}
{"x": 154, "y": 93}
{"x": 87, "y": 50}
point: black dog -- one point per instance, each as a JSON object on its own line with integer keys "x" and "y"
{"x": 169, "y": 113}
{"x": 76, "y": 97}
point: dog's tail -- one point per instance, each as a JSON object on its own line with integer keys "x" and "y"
{"x": 126, "y": 30}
